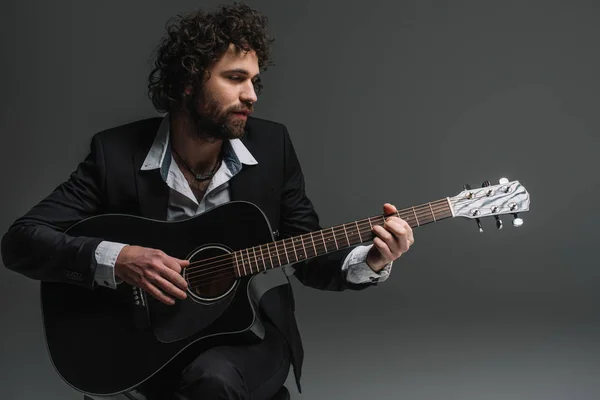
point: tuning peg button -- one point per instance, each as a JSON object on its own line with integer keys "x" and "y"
{"x": 503, "y": 181}
{"x": 517, "y": 222}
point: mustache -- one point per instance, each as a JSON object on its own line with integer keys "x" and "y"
{"x": 246, "y": 109}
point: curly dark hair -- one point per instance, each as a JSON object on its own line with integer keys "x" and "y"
{"x": 197, "y": 39}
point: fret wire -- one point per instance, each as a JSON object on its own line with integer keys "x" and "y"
{"x": 313, "y": 243}
{"x": 277, "y": 252}
{"x": 321, "y": 234}
{"x": 366, "y": 231}
{"x": 263, "y": 257}
{"x": 320, "y": 237}
{"x": 317, "y": 244}
{"x": 324, "y": 244}
{"x": 432, "y": 213}
{"x": 342, "y": 233}
{"x": 302, "y": 241}
{"x": 352, "y": 236}
{"x": 294, "y": 247}
{"x": 255, "y": 259}
{"x": 358, "y": 229}
{"x": 346, "y": 233}
{"x": 249, "y": 260}
{"x": 243, "y": 263}
{"x": 371, "y": 225}
{"x": 334, "y": 238}
{"x": 416, "y": 219}
{"x": 425, "y": 211}
{"x": 236, "y": 263}
{"x": 272, "y": 263}
{"x": 286, "y": 251}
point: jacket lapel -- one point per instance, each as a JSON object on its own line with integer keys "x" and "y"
{"x": 245, "y": 185}
{"x": 152, "y": 191}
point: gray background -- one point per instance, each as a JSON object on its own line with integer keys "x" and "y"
{"x": 386, "y": 102}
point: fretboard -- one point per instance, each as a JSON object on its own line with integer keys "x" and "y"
{"x": 302, "y": 247}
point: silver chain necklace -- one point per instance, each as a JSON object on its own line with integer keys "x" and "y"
{"x": 199, "y": 177}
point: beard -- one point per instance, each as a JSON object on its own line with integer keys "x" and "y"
{"x": 212, "y": 121}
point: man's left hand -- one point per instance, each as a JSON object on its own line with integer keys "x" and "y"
{"x": 391, "y": 240}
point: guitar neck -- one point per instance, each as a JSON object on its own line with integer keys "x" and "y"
{"x": 256, "y": 259}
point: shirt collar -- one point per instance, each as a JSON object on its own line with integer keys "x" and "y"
{"x": 159, "y": 156}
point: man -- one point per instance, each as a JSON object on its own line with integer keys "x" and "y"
{"x": 205, "y": 151}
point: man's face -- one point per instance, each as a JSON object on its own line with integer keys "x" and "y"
{"x": 222, "y": 108}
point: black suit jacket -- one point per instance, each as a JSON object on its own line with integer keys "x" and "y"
{"x": 109, "y": 180}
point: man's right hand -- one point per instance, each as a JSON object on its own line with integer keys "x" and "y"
{"x": 153, "y": 271}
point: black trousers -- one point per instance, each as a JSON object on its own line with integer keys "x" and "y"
{"x": 254, "y": 372}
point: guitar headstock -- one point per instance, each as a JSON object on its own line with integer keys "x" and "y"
{"x": 492, "y": 200}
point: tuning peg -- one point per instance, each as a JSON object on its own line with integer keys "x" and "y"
{"x": 466, "y": 186}
{"x": 503, "y": 181}
{"x": 479, "y": 225}
{"x": 486, "y": 184}
{"x": 498, "y": 222}
{"x": 469, "y": 195}
{"x": 517, "y": 222}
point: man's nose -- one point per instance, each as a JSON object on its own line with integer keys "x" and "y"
{"x": 248, "y": 95}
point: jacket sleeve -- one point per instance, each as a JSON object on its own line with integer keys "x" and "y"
{"x": 36, "y": 244}
{"x": 298, "y": 216}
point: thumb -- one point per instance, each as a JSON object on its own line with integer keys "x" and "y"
{"x": 183, "y": 263}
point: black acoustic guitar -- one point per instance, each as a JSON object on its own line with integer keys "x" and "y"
{"x": 108, "y": 341}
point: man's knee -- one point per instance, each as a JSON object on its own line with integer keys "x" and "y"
{"x": 218, "y": 379}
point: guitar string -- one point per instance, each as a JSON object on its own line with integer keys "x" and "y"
{"x": 222, "y": 274}
{"x": 230, "y": 260}
{"x": 328, "y": 234}
{"x": 423, "y": 210}
{"x": 228, "y": 272}
{"x": 230, "y": 265}
{"x": 437, "y": 208}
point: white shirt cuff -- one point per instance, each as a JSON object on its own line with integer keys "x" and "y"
{"x": 356, "y": 270}
{"x": 106, "y": 257}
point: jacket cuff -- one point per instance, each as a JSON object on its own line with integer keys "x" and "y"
{"x": 83, "y": 266}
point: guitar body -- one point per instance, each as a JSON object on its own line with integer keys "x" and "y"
{"x": 103, "y": 341}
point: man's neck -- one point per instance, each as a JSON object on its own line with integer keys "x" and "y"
{"x": 199, "y": 153}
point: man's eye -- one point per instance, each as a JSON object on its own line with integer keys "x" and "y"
{"x": 235, "y": 78}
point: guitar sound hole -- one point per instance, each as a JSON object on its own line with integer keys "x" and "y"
{"x": 208, "y": 275}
